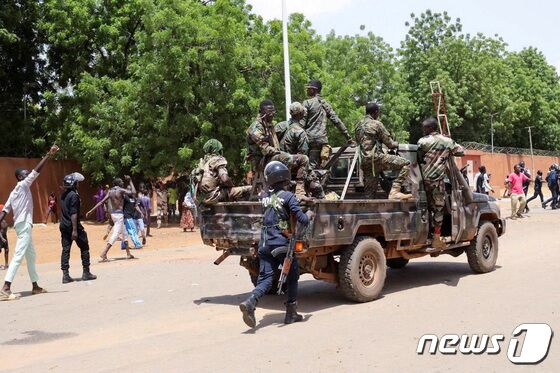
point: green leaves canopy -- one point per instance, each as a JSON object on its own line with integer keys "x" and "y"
{"x": 139, "y": 85}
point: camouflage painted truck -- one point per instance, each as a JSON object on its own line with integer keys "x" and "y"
{"x": 351, "y": 242}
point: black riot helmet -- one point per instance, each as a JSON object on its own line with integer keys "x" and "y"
{"x": 71, "y": 181}
{"x": 275, "y": 173}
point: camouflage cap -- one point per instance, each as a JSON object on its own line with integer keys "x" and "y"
{"x": 212, "y": 146}
{"x": 296, "y": 108}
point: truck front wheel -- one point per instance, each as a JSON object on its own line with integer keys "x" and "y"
{"x": 483, "y": 251}
{"x": 362, "y": 270}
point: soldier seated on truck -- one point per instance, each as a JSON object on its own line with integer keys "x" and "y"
{"x": 212, "y": 179}
{"x": 371, "y": 135}
{"x": 434, "y": 149}
{"x": 264, "y": 147}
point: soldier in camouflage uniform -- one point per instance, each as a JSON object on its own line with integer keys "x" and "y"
{"x": 315, "y": 124}
{"x": 211, "y": 176}
{"x": 371, "y": 134}
{"x": 434, "y": 149}
{"x": 293, "y": 138}
{"x": 264, "y": 147}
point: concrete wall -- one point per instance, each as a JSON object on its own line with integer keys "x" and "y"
{"x": 49, "y": 181}
{"x": 501, "y": 165}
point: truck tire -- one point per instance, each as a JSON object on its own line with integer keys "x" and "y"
{"x": 483, "y": 251}
{"x": 397, "y": 263}
{"x": 362, "y": 270}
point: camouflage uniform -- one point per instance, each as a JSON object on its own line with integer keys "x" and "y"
{"x": 371, "y": 134}
{"x": 315, "y": 119}
{"x": 208, "y": 173}
{"x": 264, "y": 146}
{"x": 433, "y": 151}
{"x": 293, "y": 139}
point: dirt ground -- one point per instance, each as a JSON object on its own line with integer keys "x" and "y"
{"x": 173, "y": 310}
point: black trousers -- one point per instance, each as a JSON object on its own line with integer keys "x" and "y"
{"x": 81, "y": 241}
{"x": 553, "y": 199}
{"x": 538, "y": 193}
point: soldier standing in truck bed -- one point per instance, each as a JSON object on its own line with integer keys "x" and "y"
{"x": 211, "y": 176}
{"x": 315, "y": 124}
{"x": 264, "y": 146}
{"x": 371, "y": 134}
{"x": 434, "y": 149}
{"x": 291, "y": 135}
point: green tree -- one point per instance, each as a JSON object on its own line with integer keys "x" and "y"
{"x": 21, "y": 79}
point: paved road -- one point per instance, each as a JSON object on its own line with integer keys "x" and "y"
{"x": 173, "y": 310}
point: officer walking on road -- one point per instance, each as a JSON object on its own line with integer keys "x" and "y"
{"x": 315, "y": 124}
{"x": 371, "y": 134}
{"x": 434, "y": 149}
{"x": 278, "y": 204}
{"x": 71, "y": 229}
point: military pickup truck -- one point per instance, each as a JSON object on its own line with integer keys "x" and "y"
{"x": 351, "y": 242}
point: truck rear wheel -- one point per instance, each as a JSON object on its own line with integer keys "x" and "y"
{"x": 483, "y": 251}
{"x": 397, "y": 263}
{"x": 362, "y": 270}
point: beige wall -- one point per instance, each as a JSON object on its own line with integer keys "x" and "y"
{"x": 501, "y": 165}
{"x": 49, "y": 181}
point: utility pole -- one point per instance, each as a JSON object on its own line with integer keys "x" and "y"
{"x": 531, "y": 147}
{"x": 287, "y": 83}
{"x": 492, "y": 131}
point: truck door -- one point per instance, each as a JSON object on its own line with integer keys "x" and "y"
{"x": 459, "y": 201}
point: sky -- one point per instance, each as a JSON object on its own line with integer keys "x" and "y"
{"x": 520, "y": 23}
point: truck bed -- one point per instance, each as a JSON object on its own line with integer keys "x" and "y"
{"x": 237, "y": 225}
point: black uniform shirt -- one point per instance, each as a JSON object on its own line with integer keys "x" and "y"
{"x": 130, "y": 211}
{"x": 69, "y": 205}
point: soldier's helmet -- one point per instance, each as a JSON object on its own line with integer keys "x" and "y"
{"x": 276, "y": 172}
{"x": 71, "y": 181}
{"x": 315, "y": 84}
{"x": 296, "y": 108}
{"x": 213, "y": 146}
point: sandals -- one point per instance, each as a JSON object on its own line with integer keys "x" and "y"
{"x": 39, "y": 291}
{"x": 7, "y": 296}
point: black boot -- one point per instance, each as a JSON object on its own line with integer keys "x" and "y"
{"x": 291, "y": 313}
{"x": 66, "y": 277}
{"x": 87, "y": 276}
{"x": 248, "y": 309}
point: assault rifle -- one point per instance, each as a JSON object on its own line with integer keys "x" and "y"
{"x": 294, "y": 246}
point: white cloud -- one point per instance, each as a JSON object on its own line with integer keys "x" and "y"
{"x": 271, "y": 9}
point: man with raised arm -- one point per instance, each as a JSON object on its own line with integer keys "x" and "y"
{"x": 116, "y": 195}
{"x": 21, "y": 203}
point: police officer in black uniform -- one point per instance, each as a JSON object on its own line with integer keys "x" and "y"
{"x": 71, "y": 229}
{"x": 278, "y": 204}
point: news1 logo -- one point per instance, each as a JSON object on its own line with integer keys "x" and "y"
{"x": 532, "y": 350}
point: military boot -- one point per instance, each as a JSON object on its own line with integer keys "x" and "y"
{"x": 66, "y": 277}
{"x": 248, "y": 309}
{"x": 87, "y": 276}
{"x": 437, "y": 242}
{"x": 395, "y": 193}
{"x": 291, "y": 313}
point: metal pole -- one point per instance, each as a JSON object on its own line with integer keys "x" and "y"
{"x": 531, "y": 147}
{"x": 492, "y": 130}
{"x": 492, "y": 133}
{"x": 287, "y": 87}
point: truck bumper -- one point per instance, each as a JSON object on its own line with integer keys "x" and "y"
{"x": 502, "y": 228}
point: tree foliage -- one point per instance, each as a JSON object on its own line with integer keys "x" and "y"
{"x": 139, "y": 85}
